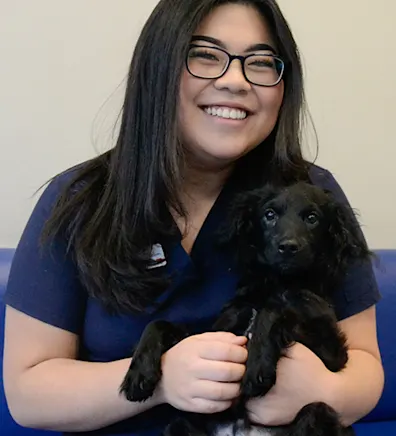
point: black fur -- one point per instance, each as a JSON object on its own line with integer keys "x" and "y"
{"x": 293, "y": 246}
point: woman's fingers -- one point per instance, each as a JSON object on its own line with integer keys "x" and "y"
{"x": 216, "y": 391}
{"x": 223, "y": 351}
{"x": 220, "y": 371}
{"x": 202, "y": 405}
{"x": 222, "y": 337}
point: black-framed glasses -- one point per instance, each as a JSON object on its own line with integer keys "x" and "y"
{"x": 207, "y": 62}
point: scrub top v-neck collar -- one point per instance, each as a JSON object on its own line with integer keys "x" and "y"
{"x": 203, "y": 244}
{"x": 208, "y": 271}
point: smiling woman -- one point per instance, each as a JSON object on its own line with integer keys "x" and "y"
{"x": 209, "y": 135}
{"x": 212, "y": 107}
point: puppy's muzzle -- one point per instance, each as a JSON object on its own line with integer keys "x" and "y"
{"x": 289, "y": 247}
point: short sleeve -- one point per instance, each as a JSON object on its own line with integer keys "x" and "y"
{"x": 43, "y": 280}
{"x": 359, "y": 291}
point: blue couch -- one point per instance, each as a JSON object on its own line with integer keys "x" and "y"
{"x": 380, "y": 422}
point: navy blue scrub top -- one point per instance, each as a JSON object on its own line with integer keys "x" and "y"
{"x": 46, "y": 286}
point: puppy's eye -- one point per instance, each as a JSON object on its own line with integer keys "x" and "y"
{"x": 312, "y": 218}
{"x": 269, "y": 215}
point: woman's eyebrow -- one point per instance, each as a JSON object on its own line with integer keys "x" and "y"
{"x": 254, "y": 47}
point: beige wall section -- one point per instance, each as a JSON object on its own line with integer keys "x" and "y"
{"x": 60, "y": 61}
{"x": 348, "y": 51}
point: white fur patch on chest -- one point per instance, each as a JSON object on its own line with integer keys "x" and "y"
{"x": 228, "y": 430}
{"x": 248, "y": 332}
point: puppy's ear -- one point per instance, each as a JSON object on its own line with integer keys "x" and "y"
{"x": 241, "y": 231}
{"x": 239, "y": 219}
{"x": 348, "y": 240}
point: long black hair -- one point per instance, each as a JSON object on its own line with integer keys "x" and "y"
{"x": 115, "y": 206}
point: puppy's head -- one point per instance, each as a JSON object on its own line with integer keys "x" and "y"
{"x": 293, "y": 228}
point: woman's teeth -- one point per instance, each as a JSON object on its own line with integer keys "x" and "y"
{"x": 229, "y": 113}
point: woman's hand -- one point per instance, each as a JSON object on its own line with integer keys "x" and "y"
{"x": 202, "y": 373}
{"x": 302, "y": 378}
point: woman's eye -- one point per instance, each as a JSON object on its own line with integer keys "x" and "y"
{"x": 312, "y": 218}
{"x": 269, "y": 215}
{"x": 206, "y": 55}
{"x": 262, "y": 64}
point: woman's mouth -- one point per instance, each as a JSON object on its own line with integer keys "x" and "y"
{"x": 227, "y": 113}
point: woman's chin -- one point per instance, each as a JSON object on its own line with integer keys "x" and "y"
{"x": 225, "y": 150}
{"x": 217, "y": 151}
{"x": 214, "y": 158}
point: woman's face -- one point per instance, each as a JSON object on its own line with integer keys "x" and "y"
{"x": 212, "y": 140}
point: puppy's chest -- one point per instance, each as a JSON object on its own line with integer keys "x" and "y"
{"x": 274, "y": 295}
{"x": 230, "y": 429}
{"x": 250, "y": 325}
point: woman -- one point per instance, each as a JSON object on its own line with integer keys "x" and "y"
{"x": 197, "y": 126}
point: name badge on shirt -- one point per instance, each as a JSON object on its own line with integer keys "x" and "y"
{"x": 157, "y": 257}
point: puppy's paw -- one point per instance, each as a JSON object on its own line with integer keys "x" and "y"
{"x": 258, "y": 380}
{"x": 145, "y": 371}
{"x": 141, "y": 380}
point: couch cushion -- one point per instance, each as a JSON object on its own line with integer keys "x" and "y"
{"x": 386, "y": 311}
{"x": 382, "y": 428}
{"x": 6, "y": 255}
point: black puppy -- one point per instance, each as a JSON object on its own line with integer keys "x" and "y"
{"x": 293, "y": 246}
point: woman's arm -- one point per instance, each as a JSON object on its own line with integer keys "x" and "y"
{"x": 47, "y": 388}
{"x": 356, "y": 390}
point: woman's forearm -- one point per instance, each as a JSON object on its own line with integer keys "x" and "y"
{"x": 355, "y": 391}
{"x": 70, "y": 395}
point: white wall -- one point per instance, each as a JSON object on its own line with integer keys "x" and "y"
{"x": 61, "y": 61}
{"x": 348, "y": 49}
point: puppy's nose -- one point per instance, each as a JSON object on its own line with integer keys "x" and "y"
{"x": 289, "y": 246}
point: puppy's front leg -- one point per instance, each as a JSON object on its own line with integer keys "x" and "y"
{"x": 264, "y": 350}
{"x": 145, "y": 372}
{"x": 235, "y": 318}
{"x": 318, "y": 330}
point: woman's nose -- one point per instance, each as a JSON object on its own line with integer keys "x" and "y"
{"x": 233, "y": 79}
